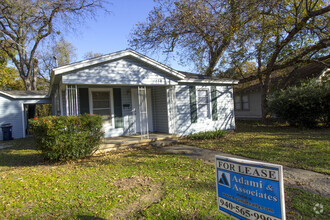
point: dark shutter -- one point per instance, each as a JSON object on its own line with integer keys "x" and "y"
{"x": 117, "y": 108}
{"x": 83, "y": 101}
{"x": 214, "y": 103}
{"x": 193, "y": 106}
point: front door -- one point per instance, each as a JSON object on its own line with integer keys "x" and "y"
{"x": 101, "y": 105}
{"x": 136, "y": 109}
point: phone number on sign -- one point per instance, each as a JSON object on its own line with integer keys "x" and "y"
{"x": 244, "y": 212}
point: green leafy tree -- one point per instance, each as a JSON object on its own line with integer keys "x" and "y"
{"x": 9, "y": 78}
{"x": 291, "y": 33}
{"x": 200, "y": 30}
{"x": 24, "y": 24}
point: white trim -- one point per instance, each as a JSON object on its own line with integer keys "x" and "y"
{"x": 61, "y": 100}
{"x": 209, "y": 81}
{"x": 77, "y": 111}
{"x": 113, "y": 56}
{"x": 25, "y": 97}
{"x": 23, "y": 120}
{"x": 66, "y": 101}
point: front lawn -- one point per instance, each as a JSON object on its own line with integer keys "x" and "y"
{"x": 276, "y": 143}
{"x": 136, "y": 183}
{"x": 123, "y": 184}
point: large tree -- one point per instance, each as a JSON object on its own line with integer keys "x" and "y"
{"x": 201, "y": 30}
{"x": 24, "y": 24}
{"x": 291, "y": 33}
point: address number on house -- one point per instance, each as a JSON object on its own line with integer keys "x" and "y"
{"x": 243, "y": 211}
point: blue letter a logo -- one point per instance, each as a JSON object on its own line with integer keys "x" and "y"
{"x": 224, "y": 178}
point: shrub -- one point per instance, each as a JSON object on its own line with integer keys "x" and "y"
{"x": 303, "y": 106}
{"x": 63, "y": 138}
{"x": 204, "y": 135}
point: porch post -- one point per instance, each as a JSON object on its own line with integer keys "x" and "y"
{"x": 171, "y": 100}
{"x": 143, "y": 107}
{"x": 71, "y": 100}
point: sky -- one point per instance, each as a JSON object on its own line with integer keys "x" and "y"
{"x": 110, "y": 32}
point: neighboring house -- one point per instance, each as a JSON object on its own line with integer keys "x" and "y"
{"x": 248, "y": 92}
{"x": 13, "y": 109}
{"x": 136, "y": 95}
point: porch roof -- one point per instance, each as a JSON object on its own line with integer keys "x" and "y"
{"x": 22, "y": 94}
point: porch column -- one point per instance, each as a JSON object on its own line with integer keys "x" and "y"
{"x": 143, "y": 107}
{"x": 71, "y": 100}
{"x": 171, "y": 100}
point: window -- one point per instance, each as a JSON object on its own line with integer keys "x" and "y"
{"x": 203, "y": 103}
{"x": 102, "y": 105}
{"x": 242, "y": 102}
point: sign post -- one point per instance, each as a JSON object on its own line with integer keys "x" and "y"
{"x": 249, "y": 190}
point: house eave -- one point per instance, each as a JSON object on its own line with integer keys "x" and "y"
{"x": 208, "y": 81}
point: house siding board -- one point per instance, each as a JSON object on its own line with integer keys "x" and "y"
{"x": 11, "y": 112}
{"x": 159, "y": 101}
{"x": 225, "y": 111}
{"x": 120, "y": 72}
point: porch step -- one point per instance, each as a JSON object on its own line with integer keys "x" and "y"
{"x": 121, "y": 143}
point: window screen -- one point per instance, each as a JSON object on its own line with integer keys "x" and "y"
{"x": 203, "y": 103}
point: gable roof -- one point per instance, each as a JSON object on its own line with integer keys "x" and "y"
{"x": 115, "y": 56}
{"x": 20, "y": 94}
{"x": 182, "y": 77}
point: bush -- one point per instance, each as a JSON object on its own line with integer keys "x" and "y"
{"x": 204, "y": 135}
{"x": 63, "y": 138}
{"x": 303, "y": 106}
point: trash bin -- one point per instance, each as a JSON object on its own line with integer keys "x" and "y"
{"x": 7, "y": 132}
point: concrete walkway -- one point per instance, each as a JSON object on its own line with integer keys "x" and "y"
{"x": 303, "y": 179}
{"x": 4, "y": 145}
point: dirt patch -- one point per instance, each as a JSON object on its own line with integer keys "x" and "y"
{"x": 132, "y": 182}
{"x": 152, "y": 193}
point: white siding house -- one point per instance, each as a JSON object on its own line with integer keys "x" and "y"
{"x": 13, "y": 106}
{"x": 134, "y": 95}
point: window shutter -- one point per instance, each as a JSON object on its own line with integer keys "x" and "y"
{"x": 117, "y": 108}
{"x": 83, "y": 101}
{"x": 193, "y": 106}
{"x": 214, "y": 103}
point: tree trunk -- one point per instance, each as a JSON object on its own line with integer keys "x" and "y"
{"x": 34, "y": 74}
{"x": 264, "y": 97}
{"x": 264, "y": 104}
{"x": 27, "y": 83}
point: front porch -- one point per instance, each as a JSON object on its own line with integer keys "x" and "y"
{"x": 126, "y": 110}
{"x": 124, "y": 142}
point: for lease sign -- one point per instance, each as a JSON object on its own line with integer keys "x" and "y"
{"x": 249, "y": 190}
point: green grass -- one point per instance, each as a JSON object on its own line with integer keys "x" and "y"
{"x": 122, "y": 184}
{"x": 303, "y": 205}
{"x": 136, "y": 183}
{"x": 276, "y": 143}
